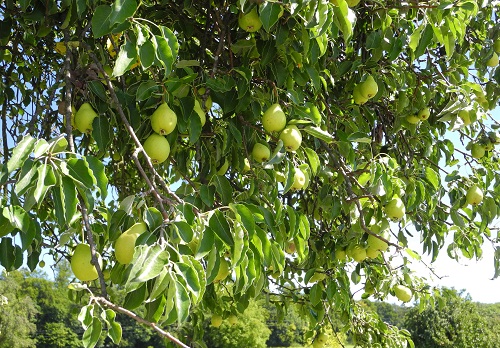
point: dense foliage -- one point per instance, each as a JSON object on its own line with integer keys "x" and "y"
{"x": 388, "y": 134}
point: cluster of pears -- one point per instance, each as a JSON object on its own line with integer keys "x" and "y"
{"x": 365, "y": 90}
{"x": 163, "y": 122}
{"x": 484, "y": 144}
{"x": 84, "y": 118}
{"x": 217, "y": 320}
{"x": 81, "y": 263}
{"x": 422, "y": 115}
{"x": 374, "y": 245}
{"x": 274, "y": 121}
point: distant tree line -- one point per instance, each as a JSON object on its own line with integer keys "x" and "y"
{"x": 37, "y": 312}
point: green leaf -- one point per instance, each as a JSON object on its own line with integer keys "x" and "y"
{"x": 432, "y": 177}
{"x": 5, "y": 226}
{"x": 190, "y": 277}
{"x": 21, "y": 153}
{"x": 126, "y": 57}
{"x": 223, "y": 188}
{"x": 344, "y": 18}
{"x": 114, "y": 328}
{"x": 7, "y": 254}
{"x": 20, "y": 219}
{"x": 269, "y": 14}
{"x": 415, "y": 38}
{"x": 153, "y": 218}
{"x": 99, "y": 173}
{"x": 182, "y": 301}
{"x": 101, "y": 24}
{"x": 146, "y": 89}
{"x": 69, "y": 198}
{"x": 102, "y": 133}
{"x": 245, "y": 216}
{"x": 4, "y": 174}
{"x": 122, "y": 9}
{"x": 147, "y": 54}
{"x": 313, "y": 159}
{"x": 359, "y": 137}
{"x": 166, "y": 50}
{"x": 425, "y": 40}
{"x": 79, "y": 171}
{"x": 317, "y": 132}
{"x": 185, "y": 231}
{"x": 98, "y": 89}
{"x": 92, "y": 334}
{"x": 147, "y": 263}
{"x": 46, "y": 179}
{"x": 221, "y": 228}
{"x": 27, "y": 177}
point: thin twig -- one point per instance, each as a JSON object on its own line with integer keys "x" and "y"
{"x": 139, "y": 319}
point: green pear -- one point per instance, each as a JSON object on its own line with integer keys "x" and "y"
{"x": 372, "y": 253}
{"x": 395, "y": 209}
{"x": 477, "y": 150}
{"x": 413, "y": 119}
{"x": 340, "y": 254}
{"x": 125, "y": 243}
{"x": 207, "y": 105}
{"x": 299, "y": 179}
{"x": 250, "y": 21}
{"x": 496, "y": 45}
{"x": 157, "y": 148}
{"x": 358, "y": 96}
{"x": 474, "y": 195}
{"x": 216, "y": 320}
{"x": 84, "y": 118}
{"x": 377, "y": 243}
{"x": 424, "y": 114}
{"x": 292, "y": 138}
{"x": 223, "y": 271}
{"x": 232, "y": 320}
{"x": 369, "y": 87}
{"x": 274, "y": 119}
{"x": 493, "y": 61}
{"x": 358, "y": 253}
{"x": 81, "y": 264}
{"x": 163, "y": 120}
{"x": 403, "y": 293}
{"x": 261, "y": 152}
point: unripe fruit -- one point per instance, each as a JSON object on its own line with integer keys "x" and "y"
{"x": 403, "y": 293}
{"x": 372, "y": 253}
{"x": 250, "y": 21}
{"x": 496, "y": 46}
{"x": 216, "y": 320}
{"x": 493, "y": 61}
{"x": 340, "y": 254}
{"x": 358, "y": 253}
{"x": 84, "y": 118}
{"x": 261, "y": 152}
{"x": 413, "y": 119}
{"x": 125, "y": 243}
{"x": 357, "y": 96}
{"x": 377, "y": 243}
{"x": 223, "y": 271}
{"x": 369, "y": 87}
{"x": 81, "y": 264}
{"x": 274, "y": 119}
{"x": 157, "y": 148}
{"x": 474, "y": 195}
{"x": 424, "y": 114}
{"x": 207, "y": 105}
{"x": 163, "y": 120}
{"x": 291, "y": 137}
{"x": 299, "y": 179}
{"x": 232, "y": 319}
{"x": 477, "y": 150}
{"x": 395, "y": 209}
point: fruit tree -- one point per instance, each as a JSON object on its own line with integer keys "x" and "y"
{"x": 198, "y": 154}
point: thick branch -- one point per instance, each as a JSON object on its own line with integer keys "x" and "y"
{"x": 139, "y": 319}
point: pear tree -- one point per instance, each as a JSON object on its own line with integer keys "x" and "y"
{"x": 198, "y": 155}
